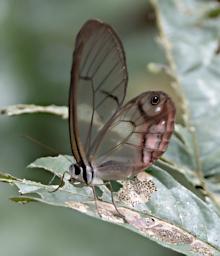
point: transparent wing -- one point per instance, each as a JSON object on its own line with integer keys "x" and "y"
{"x": 98, "y": 84}
{"x": 138, "y": 135}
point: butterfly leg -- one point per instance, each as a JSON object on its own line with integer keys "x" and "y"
{"x": 96, "y": 200}
{"x": 113, "y": 202}
{"x": 61, "y": 183}
{"x": 52, "y": 179}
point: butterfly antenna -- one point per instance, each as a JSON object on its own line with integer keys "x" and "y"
{"x": 43, "y": 145}
{"x": 40, "y": 143}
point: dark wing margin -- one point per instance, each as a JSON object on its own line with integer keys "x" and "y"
{"x": 98, "y": 85}
{"x": 76, "y": 146}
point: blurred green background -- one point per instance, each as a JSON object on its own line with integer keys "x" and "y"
{"x": 36, "y": 44}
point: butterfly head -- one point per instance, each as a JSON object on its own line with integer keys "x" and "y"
{"x": 80, "y": 173}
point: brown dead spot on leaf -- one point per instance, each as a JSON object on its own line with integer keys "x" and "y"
{"x": 202, "y": 249}
{"x": 142, "y": 224}
{"x": 171, "y": 235}
{"x": 161, "y": 230}
{"x": 137, "y": 190}
{"x": 108, "y": 212}
{"x": 136, "y": 220}
{"x": 77, "y": 206}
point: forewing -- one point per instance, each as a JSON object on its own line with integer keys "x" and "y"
{"x": 138, "y": 135}
{"x": 98, "y": 84}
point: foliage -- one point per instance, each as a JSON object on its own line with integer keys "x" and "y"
{"x": 156, "y": 205}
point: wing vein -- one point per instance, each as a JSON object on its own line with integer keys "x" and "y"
{"x": 102, "y": 61}
{"x": 113, "y": 90}
{"x": 98, "y": 53}
{"x": 90, "y": 51}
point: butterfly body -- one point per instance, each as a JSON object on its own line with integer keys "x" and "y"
{"x": 118, "y": 140}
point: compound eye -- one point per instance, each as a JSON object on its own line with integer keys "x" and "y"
{"x": 155, "y": 100}
{"x": 77, "y": 169}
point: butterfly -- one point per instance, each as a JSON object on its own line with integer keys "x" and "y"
{"x": 111, "y": 140}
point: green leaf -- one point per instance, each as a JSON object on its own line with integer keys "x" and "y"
{"x": 180, "y": 154}
{"x": 6, "y": 177}
{"x": 22, "y": 200}
{"x": 191, "y": 45}
{"x": 213, "y": 13}
{"x": 163, "y": 215}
